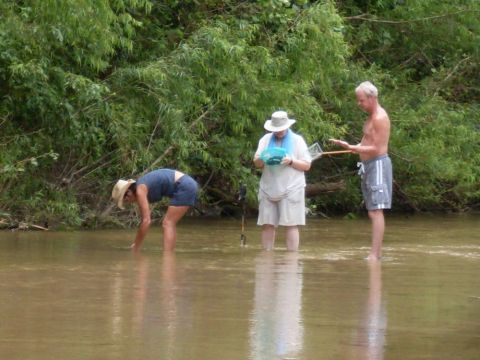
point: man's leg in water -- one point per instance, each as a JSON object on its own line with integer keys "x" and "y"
{"x": 378, "y": 229}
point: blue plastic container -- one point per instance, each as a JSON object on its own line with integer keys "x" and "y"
{"x": 273, "y": 155}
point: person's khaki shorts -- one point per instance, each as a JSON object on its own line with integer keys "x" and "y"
{"x": 289, "y": 211}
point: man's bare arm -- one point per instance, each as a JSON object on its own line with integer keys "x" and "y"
{"x": 381, "y": 132}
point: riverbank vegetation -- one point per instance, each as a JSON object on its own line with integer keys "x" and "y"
{"x": 95, "y": 90}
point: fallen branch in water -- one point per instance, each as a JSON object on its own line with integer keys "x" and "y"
{"x": 315, "y": 189}
{"x": 20, "y": 226}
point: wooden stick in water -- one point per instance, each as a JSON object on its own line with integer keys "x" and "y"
{"x": 336, "y": 152}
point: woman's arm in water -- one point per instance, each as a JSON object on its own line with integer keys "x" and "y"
{"x": 144, "y": 208}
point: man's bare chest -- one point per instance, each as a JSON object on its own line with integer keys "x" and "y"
{"x": 368, "y": 129}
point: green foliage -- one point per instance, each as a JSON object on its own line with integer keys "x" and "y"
{"x": 209, "y": 98}
{"x": 52, "y": 98}
{"x": 436, "y": 156}
{"x": 91, "y": 91}
{"x": 426, "y": 39}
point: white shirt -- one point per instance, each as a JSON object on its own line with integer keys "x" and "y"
{"x": 279, "y": 180}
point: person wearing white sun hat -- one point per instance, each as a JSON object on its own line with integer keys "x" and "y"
{"x": 282, "y": 185}
{"x": 152, "y": 187}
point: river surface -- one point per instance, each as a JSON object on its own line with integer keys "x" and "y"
{"x": 84, "y": 295}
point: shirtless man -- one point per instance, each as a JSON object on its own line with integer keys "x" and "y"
{"x": 375, "y": 166}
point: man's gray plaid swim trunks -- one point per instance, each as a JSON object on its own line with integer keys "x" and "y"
{"x": 377, "y": 182}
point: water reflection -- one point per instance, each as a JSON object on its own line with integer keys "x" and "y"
{"x": 169, "y": 308}
{"x": 139, "y": 292}
{"x": 117, "y": 308}
{"x": 276, "y": 324}
{"x": 370, "y": 337}
{"x": 155, "y": 304}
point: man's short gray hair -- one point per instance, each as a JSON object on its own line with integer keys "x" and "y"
{"x": 367, "y": 88}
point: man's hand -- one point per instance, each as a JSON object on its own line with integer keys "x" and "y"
{"x": 341, "y": 143}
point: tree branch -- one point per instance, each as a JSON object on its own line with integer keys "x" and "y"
{"x": 362, "y": 17}
{"x": 171, "y": 147}
{"x": 450, "y": 74}
{"x": 167, "y": 151}
{"x": 315, "y": 189}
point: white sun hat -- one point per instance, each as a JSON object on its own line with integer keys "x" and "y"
{"x": 278, "y": 122}
{"x": 119, "y": 191}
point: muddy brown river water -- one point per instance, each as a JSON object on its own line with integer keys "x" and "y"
{"x": 84, "y": 295}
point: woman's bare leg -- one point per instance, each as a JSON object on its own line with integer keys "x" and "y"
{"x": 268, "y": 237}
{"x": 169, "y": 223}
{"x": 293, "y": 238}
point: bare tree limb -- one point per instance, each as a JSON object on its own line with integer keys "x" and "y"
{"x": 169, "y": 149}
{"x": 450, "y": 74}
{"x": 362, "y": 17}
{"x": 312, "y": 190}
{"x": 152, "y": 134}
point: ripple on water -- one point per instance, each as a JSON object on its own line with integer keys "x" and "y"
{"x": 463, "y": 251}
